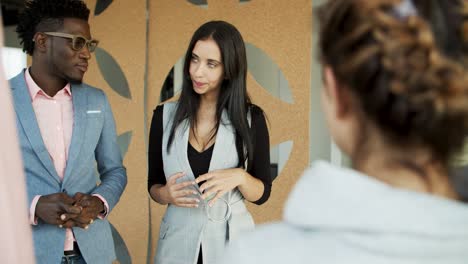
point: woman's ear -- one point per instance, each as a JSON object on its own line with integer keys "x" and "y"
{"x": 338, "y": 95}
{"x": 340, "y": 114}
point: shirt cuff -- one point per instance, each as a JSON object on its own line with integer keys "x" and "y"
{"x": 106, "y": 206}
{"x": 32, "y": 210}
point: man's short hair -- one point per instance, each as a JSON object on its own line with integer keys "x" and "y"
{"x": 47, "y": 15}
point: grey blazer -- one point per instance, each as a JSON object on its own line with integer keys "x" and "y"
{"x": 183, "y": 229}
{"x": 93, "y": 141}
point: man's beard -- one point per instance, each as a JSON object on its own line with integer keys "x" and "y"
{"x": 64, "y": 76}
{"x": 73, "y": 80}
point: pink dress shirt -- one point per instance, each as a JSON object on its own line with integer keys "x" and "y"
{"x": 54, "y": 116}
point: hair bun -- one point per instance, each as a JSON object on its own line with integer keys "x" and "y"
{"x": 404, "y": 81}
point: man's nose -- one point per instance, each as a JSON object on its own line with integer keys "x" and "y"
{"x": 85, "y": 53}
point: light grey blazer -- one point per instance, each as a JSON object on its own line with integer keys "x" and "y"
{"x": 93, "y": 141}
{"x": 183, "y": 229}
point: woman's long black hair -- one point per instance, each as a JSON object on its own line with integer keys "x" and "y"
{"x": 233, "y": 91}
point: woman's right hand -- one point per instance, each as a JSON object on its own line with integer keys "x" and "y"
{"x": 178, "y": 193}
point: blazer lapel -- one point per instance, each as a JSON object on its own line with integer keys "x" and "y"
{"x": 223, "y": 144}
{"x": 27, "y": 118}
{"x": 80, "y": 104}
{"x": 182, "y": 145}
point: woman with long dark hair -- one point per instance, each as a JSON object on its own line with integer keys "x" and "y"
{"x": 208, "y": 151}
{"x": 395, "y": 99}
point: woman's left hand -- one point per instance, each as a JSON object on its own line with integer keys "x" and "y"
{"x": 220, "y": 182}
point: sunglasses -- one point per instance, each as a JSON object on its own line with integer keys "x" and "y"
{"x": 78, "y": 41}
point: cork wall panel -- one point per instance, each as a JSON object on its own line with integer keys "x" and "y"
{"x": 282, "y": 30}
{"x": 118, "y": 67}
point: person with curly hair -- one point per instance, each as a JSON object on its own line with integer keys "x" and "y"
{"x": 65, "y": 128}
{"x": 395, "y": 98}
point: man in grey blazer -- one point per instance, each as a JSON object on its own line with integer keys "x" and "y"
{"x": 65, "y": 129}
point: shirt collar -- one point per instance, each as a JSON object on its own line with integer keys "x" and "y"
{"x": 34, "y": 89}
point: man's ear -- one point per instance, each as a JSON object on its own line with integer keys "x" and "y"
{"x": 339, "y": 94}
{"x": 40, "y": 40}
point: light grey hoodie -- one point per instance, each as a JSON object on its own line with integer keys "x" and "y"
{"x": 338, "y": 215}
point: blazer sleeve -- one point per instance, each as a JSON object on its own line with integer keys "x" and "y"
{"x": 112, "y": 173}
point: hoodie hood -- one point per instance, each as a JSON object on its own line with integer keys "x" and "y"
{"x": 371, "y": 214}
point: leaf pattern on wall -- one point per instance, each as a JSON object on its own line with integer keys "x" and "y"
{"x": 112, "y": 73}
{"x": 198, "y": 2}
{"x": 121, "y": 250}
{"x": 284, "y": 149}
{"x": 101, "y": 6}
{"x": 124, "y": 142}
{"x": 205, "y": 2}
{"x": 284, "y": 93}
